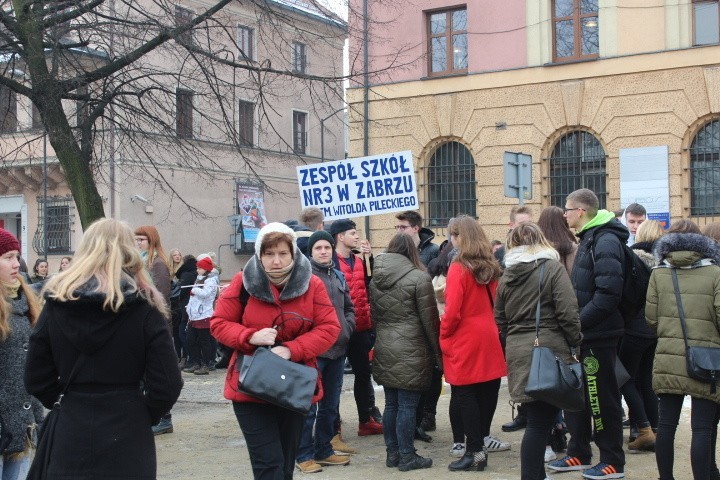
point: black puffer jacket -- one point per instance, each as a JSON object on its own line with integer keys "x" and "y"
{"x": 597, "y": 277}
{"x": 638, "y": 327}
{"x": 428, "y": 250}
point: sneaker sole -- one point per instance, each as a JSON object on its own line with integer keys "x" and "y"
{"x": 604, "y": 476}
{"x": 572, "y": 468}
{"x": 499, "y": 449}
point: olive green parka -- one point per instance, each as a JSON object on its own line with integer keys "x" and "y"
{"x": 696, "y": 258}
{"x": 404, "y": 309}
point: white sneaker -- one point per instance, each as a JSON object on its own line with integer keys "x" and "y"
{"x": 457, "y": 450}
{"x": 550, "y": 455}
{"x": 496, "y": 445}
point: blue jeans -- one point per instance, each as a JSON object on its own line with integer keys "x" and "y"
{"x": 14, "y": 469}
{"x": 324, "y": 414}
{"x": 399, "y": 419}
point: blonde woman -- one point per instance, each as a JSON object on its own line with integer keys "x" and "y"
{"x": 18, "y": 312}
{"x": 104, "y": 318}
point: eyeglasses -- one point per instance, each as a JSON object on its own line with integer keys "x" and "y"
{"x": 140, "y": 240}
{"x": 402, "y": 227}
{"x": 566, "y": 210}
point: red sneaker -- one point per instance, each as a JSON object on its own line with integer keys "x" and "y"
{"x": 371, "y": 427}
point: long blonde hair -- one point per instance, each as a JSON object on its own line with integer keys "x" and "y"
{"x": 172, "y": 265}
{"x": 108, "y": 254}
{"x": 6, "y": 309}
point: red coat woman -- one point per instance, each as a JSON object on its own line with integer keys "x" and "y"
{"x": 288, "y": 309}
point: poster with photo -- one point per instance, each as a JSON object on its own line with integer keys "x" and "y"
{"x": 251, "y": 208}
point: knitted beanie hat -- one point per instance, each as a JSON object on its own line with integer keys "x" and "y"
{"x": 274, "y": 227}
{"x": 319, "y": 235}
{"x": 8, "y": 242}
{"x": 206, "y": 264}
{"x": 342, "y": 225}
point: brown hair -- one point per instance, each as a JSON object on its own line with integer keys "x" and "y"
{"x": 312, "y": 217}
{"x": 272, "y": 239}
{"x": 587, "y": 199}
{"x": 405, "y": 246}
{"x": 684, "y": 225}
{"x": 514, "y": 211}
{"x": 649, "y": 231}
{"x": 636, "y": 209}
{"x": 155, "y": 248}
{"x": 711, "y": 230}
{"x": 554, "y": 226}
{"x": 530, "y": 235}
{"x": 474, "y": 250}
{"x": 412, "y": 217}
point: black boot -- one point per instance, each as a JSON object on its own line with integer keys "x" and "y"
{"x": 519, "y": 421}
{"x": 428, "y": 422}
{"x": 421, "y": 435}
{"x": 392, "y": 460}
{"x": 470, "y": 461}
{"x": 413, "y": 461}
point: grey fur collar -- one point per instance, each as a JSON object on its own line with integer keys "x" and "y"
{"x": 693, "y": 242}
{"x": 257, "y": 283}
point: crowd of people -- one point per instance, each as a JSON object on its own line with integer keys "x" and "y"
{"x": 469, "y": 311}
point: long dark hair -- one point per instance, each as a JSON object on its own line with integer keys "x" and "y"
{"x": 555, "y": 228}
{"x": 474, "y": 250}
{"x": 405, "y": 246}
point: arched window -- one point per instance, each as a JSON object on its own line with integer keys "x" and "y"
{"x": 451, "y": 184}
{"x": 577, "y": 161}
{"x": 705, "y": 170}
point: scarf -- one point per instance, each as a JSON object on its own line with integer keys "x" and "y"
{"x": 281, "y": 276}
{"x": 523, "y": 254}
{"x": 12, "y": 288}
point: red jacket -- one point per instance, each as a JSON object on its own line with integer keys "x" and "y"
{"x": 355, "y": 278}
{"x": 304, "y": 295}
{"x": 469, "y": 337}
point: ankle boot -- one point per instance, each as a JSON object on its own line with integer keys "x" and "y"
{"x": 644, "y": 441}
{"x": 470, "y": 461}
{"x": 392, "y": 460}
{"x": 413, "y": 461}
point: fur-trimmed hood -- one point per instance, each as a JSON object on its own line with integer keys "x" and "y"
{"x": 257, "y": 283}
{"x": 685, "y": 249}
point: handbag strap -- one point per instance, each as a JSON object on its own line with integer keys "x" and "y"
{"x": 73, "y": 373}
{"x": 537, "y": 309}
{"x": 681, "y": 310}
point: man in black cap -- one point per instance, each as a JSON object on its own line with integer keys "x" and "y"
{"x": 356, "y": 274}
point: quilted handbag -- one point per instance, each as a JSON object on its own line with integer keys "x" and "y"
{"x": 281, "y": 382}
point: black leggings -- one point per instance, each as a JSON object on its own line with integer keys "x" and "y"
{"x": 200, "y": 344}
{"x": 476, "y": 404}
{"x": 358, "y": 349}
{"x": 636, "y": 355}
{"x": 540, "y": 420}
{"x": 702, "y": 447}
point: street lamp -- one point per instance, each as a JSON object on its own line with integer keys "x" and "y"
{"x": 322, "y": 132}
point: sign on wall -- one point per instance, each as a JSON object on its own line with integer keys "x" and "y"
{"x": 644, "y": 180}
{"x": 251, "y": 209}
{"x": 357, "y": 187}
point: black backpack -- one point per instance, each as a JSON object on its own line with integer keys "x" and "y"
{"x": 636, "y": 278}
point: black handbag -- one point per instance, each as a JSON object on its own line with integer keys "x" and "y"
{"x": 41, "y": 462}
{"x": 550, "y": 379}
{"x": 281, "y": 382}
{"x": 703, "y": 363}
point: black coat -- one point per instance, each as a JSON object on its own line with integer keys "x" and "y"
{"x": 597, "y": 277}
{"x": 127, "y": 381}
{"x": 186, "y": 275}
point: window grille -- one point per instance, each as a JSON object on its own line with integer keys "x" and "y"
{"x": 705, "y": 170}
{"x": 577, "y": 161}
{"x": 60, "y": 218}
{"x": 451, "y": 184}
{"x": 299, "y": 57}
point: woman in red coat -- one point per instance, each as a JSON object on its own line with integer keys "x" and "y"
{"x": 472, "y": 355}
{"x": 276, "y": 301}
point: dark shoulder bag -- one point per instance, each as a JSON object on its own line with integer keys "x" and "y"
{"x": 703, "y": 363}
{"x": 550, "y": 379}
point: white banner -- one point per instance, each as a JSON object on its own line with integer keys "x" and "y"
{"x": 357, "y": 187}
{"x": 644, "y": 180}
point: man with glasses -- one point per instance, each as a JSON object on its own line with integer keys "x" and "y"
{"x": 410, "y": 223}
{"x": 597, "y": 277}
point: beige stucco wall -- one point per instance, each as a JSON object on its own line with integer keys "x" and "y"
{"x": 639, "y": 101}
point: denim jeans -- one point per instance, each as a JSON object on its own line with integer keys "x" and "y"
{"x": 324, "y": 414}
{"x": 399, "y": 419}
{"x": 14, "y": 469}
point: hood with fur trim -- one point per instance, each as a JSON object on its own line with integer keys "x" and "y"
{"x": 684, "y": 249}
{"x": 257, "y": 283}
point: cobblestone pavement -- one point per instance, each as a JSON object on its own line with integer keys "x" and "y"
{"x": 207, "y": 443}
